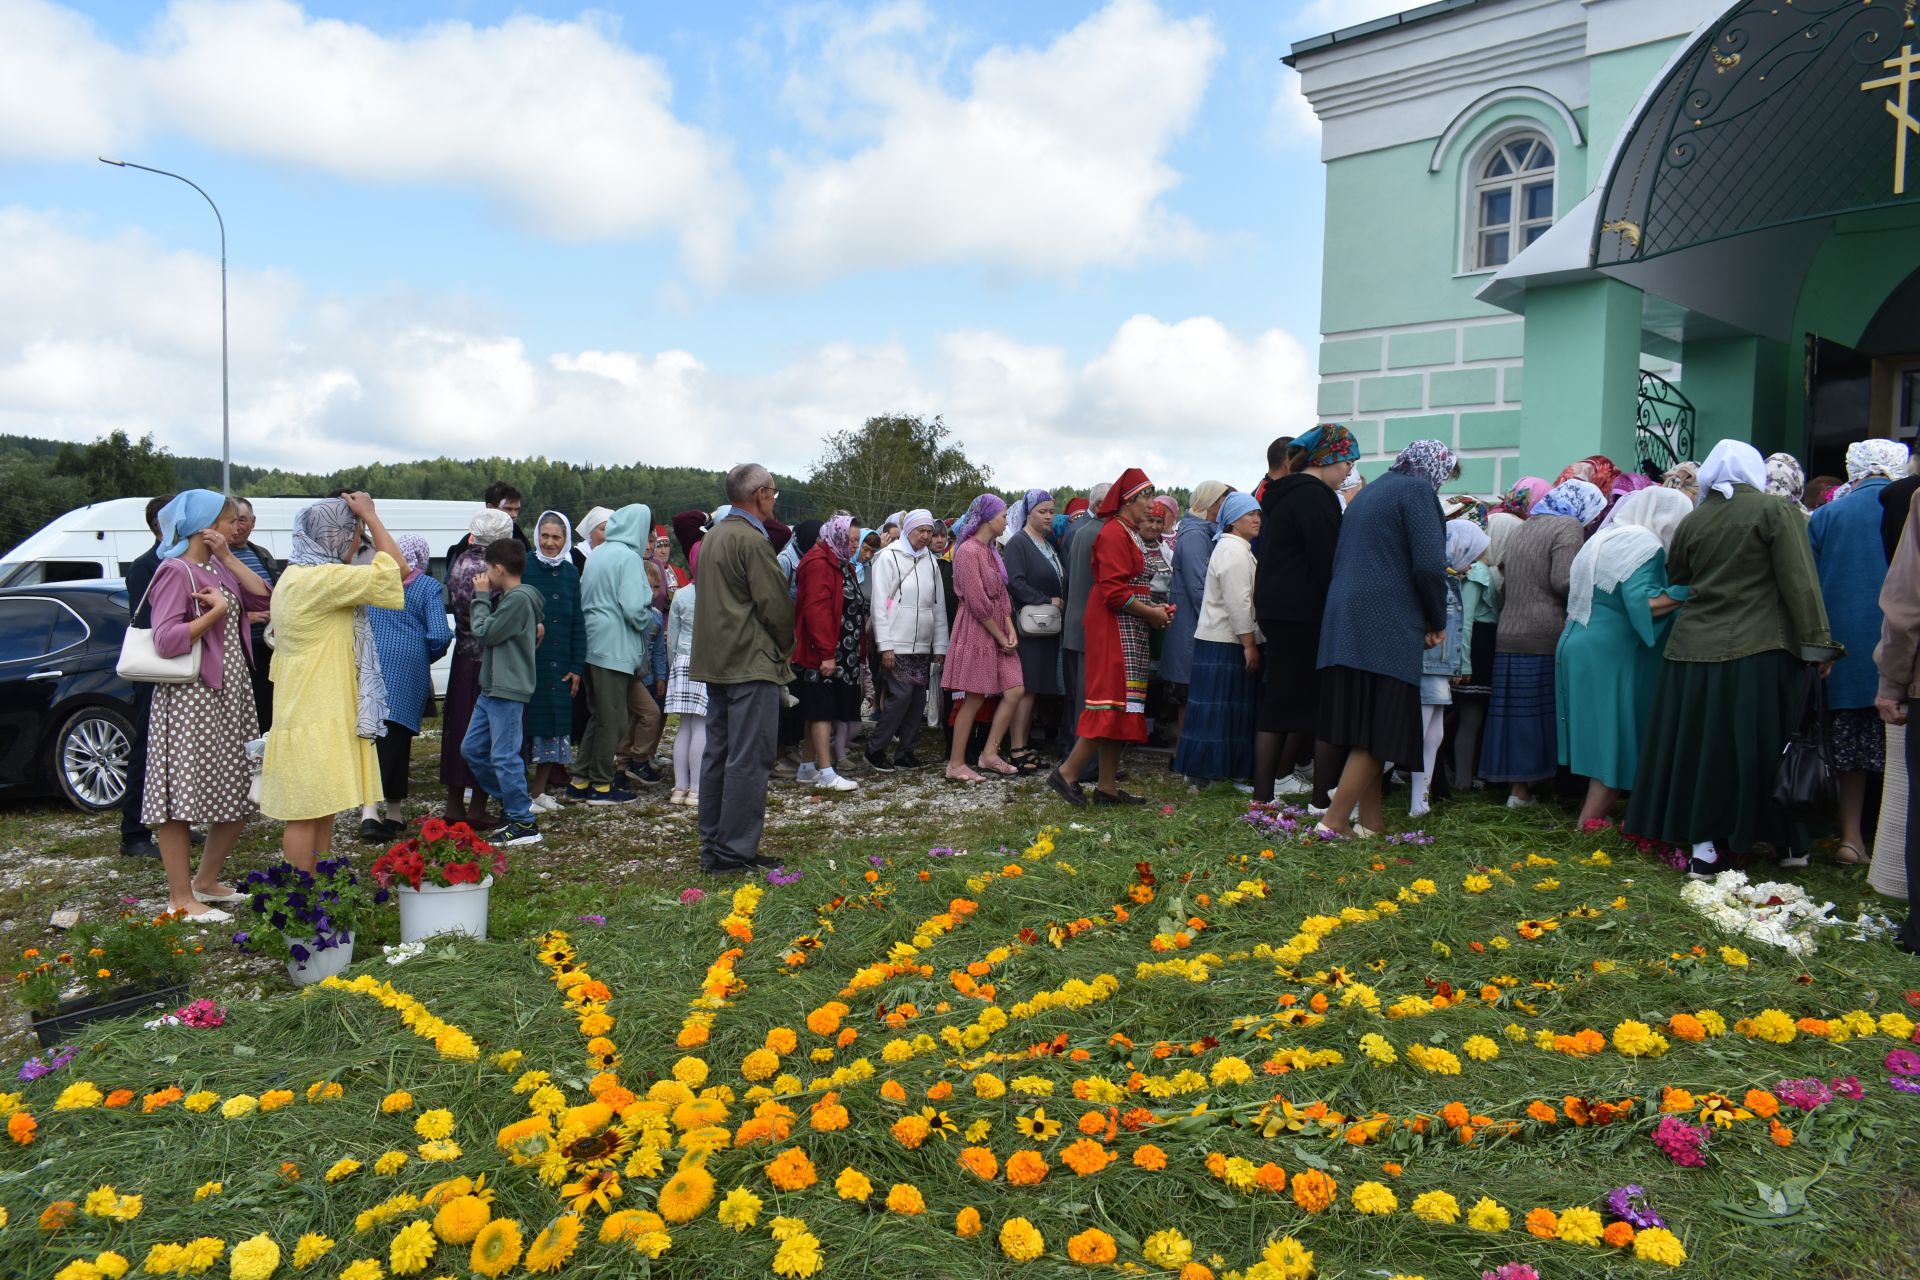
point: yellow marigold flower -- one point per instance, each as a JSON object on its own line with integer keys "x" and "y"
{"x": 1021, "y": 1240}
{"x": 1439, "y": 1061}
{"x": 240, "y": 1104}
{"x": 786, "y": 1228}
{"x": 1733, "y": 956}
{"x": 1712, "y": 1021}
{"x": 204, "y": 1100}
{"x": 1231, "y": 1070}
{"x": 1657, "y": 1244}
{"x": 496, "y": 1250}
{"x": 798, "y": 1256}
{"x": 553, "y": 1246}
{"x": 989, "y": 1086}
{"x": 399, "y": 1100}
{"x": 1377, "y": 1047}
{"x": 1289, "y": 1259}
{"x": 1488, "y": 1214}
{"x": 79, "y": 1096}
{"x": 1167, "y": 1249}
{"x": 310, "y": 1248}
{"x": 852, "y": 1185}
{"x": 508, "y": 1059}
{"x": 904, "y": 1197}
{"x": 1579, "y": 1225}
{"x": 1436, "y": 1206}
{"x": 739, "y": 1210}
{"x": 1375, "y": 1198}
{"x": 459, "y": 1220}
{"x": 1476, "y": 884}
{"x": 760, "y": 1064}
{"x": 1481, "y": 1048}
{"x": 1896, "y": 1026}
{"x": 389, "y": 1163}
{"x": 527, "y": 1083}
{"x": 438, "y": 1150}
{"x": 206, "y": 1189}
{"x": 437, "y": 1123}
{"x": 342, "y": 1169}
{"x": 691, "y": 1071}
{"x": 109, "y": 1264}
{"x": 363, "y": 1269}
{"x": 412, "y": 1248}
{"x": 967, "y": 1224}
{"x": 1638, "y": 1040}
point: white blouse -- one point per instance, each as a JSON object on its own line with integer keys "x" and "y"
{"x": 1226, "y": 609}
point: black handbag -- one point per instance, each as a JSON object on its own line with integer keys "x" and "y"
{"x": 1804, "y": 785}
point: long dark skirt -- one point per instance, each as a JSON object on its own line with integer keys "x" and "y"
{"x": 463, "y": 690}
{"x": 1366, "y": 711}
{"x": 1290, "y": 663}
{"x": 1216, "y": 740}
{"x": 1523, "y": 733}
{"x": 1712, "y": 750}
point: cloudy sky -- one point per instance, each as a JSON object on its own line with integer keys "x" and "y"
{"x": 1087, "y": 233}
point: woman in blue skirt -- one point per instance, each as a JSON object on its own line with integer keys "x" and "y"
{"x": 1223, "y": 695}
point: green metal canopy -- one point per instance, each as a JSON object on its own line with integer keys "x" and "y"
{"x": 1782, "y": 112}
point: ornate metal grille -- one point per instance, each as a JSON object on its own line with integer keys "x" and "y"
{"x": 1663, "y": 436}
{"x": 1771, "y": 118}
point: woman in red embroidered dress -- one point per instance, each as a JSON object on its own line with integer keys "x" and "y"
{"x": 1120, "y": 609}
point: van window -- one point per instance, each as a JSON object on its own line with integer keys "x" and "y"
{"x": 61, "y": 571}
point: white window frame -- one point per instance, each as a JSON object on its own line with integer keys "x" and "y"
{"x": 1475, "y": 185}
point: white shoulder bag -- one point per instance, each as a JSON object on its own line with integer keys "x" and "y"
{"x": 142, "y": 663}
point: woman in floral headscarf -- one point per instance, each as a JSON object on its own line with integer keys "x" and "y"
{"x": 1519, "y": 500}
{"x": 1851, "y": 558}
{"x": 983, "y": 650}
{"x": 410, "y": 640}
{"x": 1684, "y": 476}
{"x": 1386, "y": 607}
{"x": 1787, "y": 479}
{"x": 329, "y": 702}
{"x": 1522, "y": 745}
{"x": 829, "y": 637}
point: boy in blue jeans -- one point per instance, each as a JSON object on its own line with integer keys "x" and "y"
{"x": 507, "y": 632}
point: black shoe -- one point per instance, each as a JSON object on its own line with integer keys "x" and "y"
{"x": 1118, "y": 797}
{"x": 646, "y": 773}
{"x": 877, "y": 761}
{"x": 141, "y": 848}
{"x": 1067, "y": 791}
{"x": 373, "y": 831}
{"x": 908, "y": 760}
{"x": 394, "y": 827}
{"x": 1698, "y": 870}
{"x": 577, "y": 793}
{"x": 516, "y": 833}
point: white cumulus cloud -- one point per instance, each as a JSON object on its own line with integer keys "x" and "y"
{"x": 97, "y": 334}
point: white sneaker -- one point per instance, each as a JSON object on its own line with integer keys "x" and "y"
{"x": 1788, "y": 860}
{"x": 210, "y": 915}
{"x": 828, "y": 780}
{"x": 1318, "y": 810}
{"x": 1515, "y": 802}
{"x": 544, "y": 804}
{"x": 806, "y": 773}
{"x": 1291, "y": 785}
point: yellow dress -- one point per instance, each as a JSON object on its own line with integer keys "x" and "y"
{"x": 316, "y": 764}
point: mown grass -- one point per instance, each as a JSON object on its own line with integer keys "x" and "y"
{"x": 1859, "y": 1217}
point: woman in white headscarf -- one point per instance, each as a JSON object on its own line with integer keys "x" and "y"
{"x": 1734, "y": 679}
{"x": 1619, "y": 609}
{"x": 560, "y": 659}
{"x": 1480, "y": 597}
{"x": 910, "y": 635}
{"x": 329, "y": 700}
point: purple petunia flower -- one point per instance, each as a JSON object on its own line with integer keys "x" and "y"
{"x": 1629, "y": 1204}
{"x": 598, "y": 922}
{"x": 33, "y": 1068}
{"x": 875, "y": 861}
{"x": 782, "y": 876}
{"x": 943, "y": 851}
{"x": 1903, "y": 1084}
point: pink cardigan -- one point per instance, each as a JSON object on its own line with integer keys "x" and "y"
{"x": 174, "y": 610}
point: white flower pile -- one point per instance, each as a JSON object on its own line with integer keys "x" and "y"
{"x": 1780, "y": 915}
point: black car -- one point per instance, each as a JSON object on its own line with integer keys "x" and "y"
{"x": 66, "y": 717}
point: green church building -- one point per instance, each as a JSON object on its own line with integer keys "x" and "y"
{"x": 1556, "y": 228}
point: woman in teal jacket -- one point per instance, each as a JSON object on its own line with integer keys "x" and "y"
{"x": 616, "y": 603}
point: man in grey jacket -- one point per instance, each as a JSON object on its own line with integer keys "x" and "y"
{"x": 744, "y": 618}
{"x": 1078, "y": 557}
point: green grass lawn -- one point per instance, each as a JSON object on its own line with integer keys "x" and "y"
{"x": 1197, "y": 1044}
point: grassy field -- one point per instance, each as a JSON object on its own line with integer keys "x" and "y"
{"x": 1210, "y": 1048}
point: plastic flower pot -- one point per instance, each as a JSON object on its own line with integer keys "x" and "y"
{"x": 321, "y": 963}
{"x": 434, "y": 908}
{"x": 58, "y": 1027}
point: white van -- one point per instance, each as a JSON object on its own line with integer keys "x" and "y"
{"x": 104, "y": 539}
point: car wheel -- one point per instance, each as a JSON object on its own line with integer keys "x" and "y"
{"x": 89, "y": 758}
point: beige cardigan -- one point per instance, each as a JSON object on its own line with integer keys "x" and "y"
{"x": 1226, "y": 607}
{"x": 1900, "y": 605}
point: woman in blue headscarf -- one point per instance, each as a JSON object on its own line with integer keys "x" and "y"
{"x": 198, "y": 732}
{"x": 1223, "y": 697}
{"x": 329, "y": 701}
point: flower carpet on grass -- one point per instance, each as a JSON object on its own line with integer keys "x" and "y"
{"x": 1178, "y": 1046}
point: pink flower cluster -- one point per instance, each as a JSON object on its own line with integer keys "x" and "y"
{"x": 1511, "y": 1271}
{"x": 1811, "y": 1092}
{"x": 1684, "y": 1143}
{"x": 690, "y": 896}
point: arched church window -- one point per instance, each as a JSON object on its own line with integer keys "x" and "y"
{"x": 1512, "y": 200}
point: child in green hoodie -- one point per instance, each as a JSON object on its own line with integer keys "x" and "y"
{"x": 507, "y": 633}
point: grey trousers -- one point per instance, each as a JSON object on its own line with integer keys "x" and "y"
{"x": 743, "y": 722}
{"x": 905, "y": 713}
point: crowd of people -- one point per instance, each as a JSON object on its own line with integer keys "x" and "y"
{"x": 1646, "y": 645}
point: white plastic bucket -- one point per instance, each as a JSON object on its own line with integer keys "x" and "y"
{"x": 330, "y": 963}
{"x": 434, "y": 908}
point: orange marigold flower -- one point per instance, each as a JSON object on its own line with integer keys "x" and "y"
{"x": 1091, "y": 1248}
{"x": 1544, "y": 1223}
{"x": 1391, "y": 1168}
{"x": 1313, "y": 1190}
{"x": 967, "y": 1222}
{"x": 1762, "y": 1103}
{"x": 1026, "y": 1168}
{"x": 1684, "y": 1026}
{"x": 791, "y": 1170}
{"x": 1618, "y": 1234}
{"x": 1134, "y": 1119}
{"x": 980, "y": 1162}
{"x": 1319, "y": 1002}
{"x": 119, "y": 1098}
{"x": 1455, "y": 1114}
{"x": 910, "y": 1131}
{"x": 1150, "y": 1157}
{"x": 57, "y": 1215}
{"x": 1543, "y": 1112}
{"x": 940, "y": 1092}
{"x": 1085, "y": 1156}
{"x": 1270, "y": 1177}
{"x": 892, "y": 1091}
{"x": 1781, "y": 1135}
{"x": 21, "y": 1127}
{"x": 1813, "y": 1026}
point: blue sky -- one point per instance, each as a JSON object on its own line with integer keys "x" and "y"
{"x": 1089, "y": 234}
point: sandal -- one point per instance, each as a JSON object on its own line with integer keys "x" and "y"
{"x": 964, "y": 775}
{"x": 999, "y": 766}
{"x": 1859, "y": 856}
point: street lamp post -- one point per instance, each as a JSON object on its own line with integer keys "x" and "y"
{"x": 226, "y": 479}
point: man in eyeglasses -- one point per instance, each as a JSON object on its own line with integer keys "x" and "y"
{"x": 743, "y": 636}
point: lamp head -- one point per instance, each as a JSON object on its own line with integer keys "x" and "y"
{"x": 107, "y": 160}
